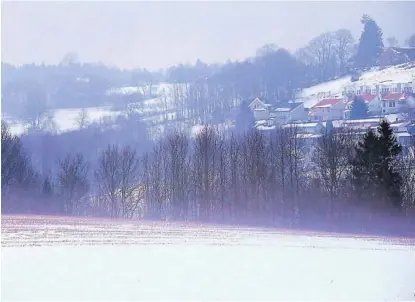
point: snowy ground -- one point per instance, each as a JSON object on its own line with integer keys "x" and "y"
{"x": 82, "y": 259}
{"x": 159, "y": 113}
{"x": 393, "y": 75}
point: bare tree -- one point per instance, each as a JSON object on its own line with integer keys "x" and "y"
{"x": 82, "y": 118}
{"x": 331, "y": 157}
{"x": 204, "y": 163}
{"x": 392, "y": 41}
{"x": 410, "y": 42}
{"x": 323, "y": 50}
{"x": 407, "y": 171}
{"x": 266, "y": 49}
{"x": 176, "y": 152}
{"x": 73, "y": 182}
{"x": 344, "y": 42}
{"x": 16, "y": 169}
{"x": 118, "y": 181}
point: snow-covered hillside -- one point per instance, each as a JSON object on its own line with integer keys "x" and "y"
{"x": 56, "y": 258}
{"x": 396, "y": 74}
{"x": 159, "y": 112}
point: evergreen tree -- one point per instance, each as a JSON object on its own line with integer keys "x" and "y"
{"x": 359, "y": 108}
{"x": 375, "y": 177}
{"x": 370, "y": 45}
{"x": 329, "y": 127}
{"x": 245, "y": 119}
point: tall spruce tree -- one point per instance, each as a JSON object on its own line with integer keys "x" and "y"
{"x": 359, "y": 108}
{"x": 370, "y": 45}
{"x": 245, "y": 119}
{"x": 375, "y": 177}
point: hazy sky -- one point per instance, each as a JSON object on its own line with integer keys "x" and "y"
{"x": 159, "y": 34}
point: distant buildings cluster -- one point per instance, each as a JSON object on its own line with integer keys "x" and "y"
{"x": 395, "y": 102}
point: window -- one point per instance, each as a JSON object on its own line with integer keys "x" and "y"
{"x": 373, "y": 91}
{"x": 395, "y": 89}
{"x": 358, "y": 92}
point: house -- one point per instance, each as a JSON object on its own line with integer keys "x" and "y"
{"x": 260, "y": 109}
{"x": 258, "y": 104}
{"x": 289, "y": 112}
{"x": 407, "y": 87}
{"x": 396, "y": 56}
{"x": 373, "y": 102}
{"x": 306, "y": 128}
{"x": 306, "y": 133}
{"x": 397, "y": 102}
{"x": 328, "y": 109}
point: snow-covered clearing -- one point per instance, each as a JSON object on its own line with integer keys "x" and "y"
{"x": 47, "y": 258}
{"x": 156, "y": 112}
{"x": 404, "y": 73}
{"x": 65, "y": 119}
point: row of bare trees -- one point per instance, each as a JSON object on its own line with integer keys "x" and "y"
{"x": 275, "y": 178}
{"x": 328, "y": 54}
{"x": 256, "y": 177}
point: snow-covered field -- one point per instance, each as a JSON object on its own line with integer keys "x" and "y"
{"x": 46, "y": 258}
{"x": 392, "y": 75}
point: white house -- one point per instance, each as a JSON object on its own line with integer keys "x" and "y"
{"x": 397, "y": 102}
{"x": 407, "y": 87}
{"x": 306, "y": 128}
{"x": 260, "y": 109}
{"x": 289, "y": 112}
{"x": 328, "y": 109}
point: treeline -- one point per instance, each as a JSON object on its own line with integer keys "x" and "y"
{"x": 343, "y": 179}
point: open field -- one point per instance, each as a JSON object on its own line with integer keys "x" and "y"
{"x": 57, "y": 258}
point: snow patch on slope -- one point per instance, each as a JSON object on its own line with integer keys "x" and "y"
{"x": 404, "y": 73}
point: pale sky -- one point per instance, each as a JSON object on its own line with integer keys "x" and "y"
{"x": 159, "y": 34}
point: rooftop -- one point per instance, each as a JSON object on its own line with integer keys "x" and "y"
{"x": 327, "y": 103}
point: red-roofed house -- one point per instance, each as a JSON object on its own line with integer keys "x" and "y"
{"x": 397, "y": 102}
{"x": 327, "y": 109}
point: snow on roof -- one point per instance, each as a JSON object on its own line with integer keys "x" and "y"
{"x": 283, "y": 109}
{"x": 260, "y": 122}
{"x": 403, "y": 134}
{"x": 256, "y": 100}
{"x": 301, "y": 125}
{"x": 327, "y": 103}
{"x": 261, "y": 128}
{"x": 308, "y": 135}
{"x": 362, "y": 121}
